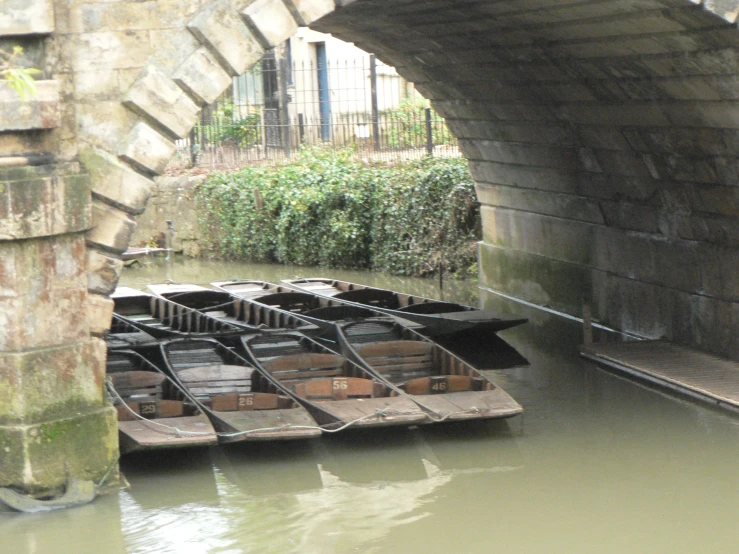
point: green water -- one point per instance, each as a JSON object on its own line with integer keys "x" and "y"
{"x": 597, "y": 464}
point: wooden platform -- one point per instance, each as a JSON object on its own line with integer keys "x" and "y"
{"x": 691, "y": 372}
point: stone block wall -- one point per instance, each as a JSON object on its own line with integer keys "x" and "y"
{"x": 173, "y": 199}
{"x": 602, "y": 136}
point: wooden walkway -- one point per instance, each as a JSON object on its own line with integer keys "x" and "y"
{"x": 697, "y": 374}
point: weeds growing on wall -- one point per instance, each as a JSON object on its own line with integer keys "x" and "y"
{"x": 326, "y": 208}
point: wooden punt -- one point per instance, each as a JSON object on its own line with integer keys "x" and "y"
{"x": 163, "y": 318}
{"x": 230, "y": 308}
{"x": 442, "y": 383}
{"x": 241, "y": 406}
{"x": 335, "y": 390}
{"x": 248, "y": 288}
{"x": 279, "y": 307}
{"x": 436, "y": 316}
{"x": 170, "y": 421}
{"x": 123, "y": 336}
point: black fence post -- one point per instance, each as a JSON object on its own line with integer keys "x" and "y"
{"x": 301, "y": 127}
{"x": 373, "y": 89}
{"x": 429, "y": 133}
{"x": 193, "y": 148}
{"x": 285, "y": 98}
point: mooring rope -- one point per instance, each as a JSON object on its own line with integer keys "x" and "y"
{"x": 379, "y": 413}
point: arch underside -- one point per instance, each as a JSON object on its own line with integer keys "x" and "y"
{"x": 602, "y": 136}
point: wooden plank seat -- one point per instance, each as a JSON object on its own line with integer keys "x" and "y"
{"x": 307, "y": 365}
{"x": 326, "y": 288}
{"x": 249, "y": 402}
{"x": 192, "y": 357}
{"x": 129, "y": 384}
{"x": 340, "y": 312}
{"x": 370, "y": 297}
{"x": 289, "y": 301}
{"x": 269, "y": 346}
{"x": 205, "y": 381}
{"x": 400, "y": 361}
{"x": 152, "y": 408}
{"x": 443, "y": 384}
{"x": 333, "y": 388}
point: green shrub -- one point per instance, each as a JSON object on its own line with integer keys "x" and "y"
{"x": 325, "y": 208}
{"x": 230, "y": 126}
{"x": 406, "y": 125}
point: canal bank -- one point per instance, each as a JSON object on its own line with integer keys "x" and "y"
{"x": 597, "y": 463}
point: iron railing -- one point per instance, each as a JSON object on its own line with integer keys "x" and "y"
{"x": 276, "y": 107}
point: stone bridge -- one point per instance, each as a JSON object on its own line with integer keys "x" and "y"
{"x": 603, "y": 136}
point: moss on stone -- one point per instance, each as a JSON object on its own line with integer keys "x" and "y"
{"x": 536, "y": 279}
{"x": 85, "y": 446}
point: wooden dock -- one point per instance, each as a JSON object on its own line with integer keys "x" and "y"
{"x": 698, "y": 374}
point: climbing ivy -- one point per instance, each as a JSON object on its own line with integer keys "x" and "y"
{"x": 326, "y": 208}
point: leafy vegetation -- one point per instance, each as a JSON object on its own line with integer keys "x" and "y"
{"x": 18, "y": 77}
{"x": 406, "y": 125}
{"x": 326, "y": 208}
{"x": 229, "y": 125}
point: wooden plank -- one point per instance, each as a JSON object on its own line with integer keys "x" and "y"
{"x": 303, "y": 362}
{"x": 152, "y": 409}
{"x": 245, "y": 402}
{"x": 697, "y": 374}
{"x": 215, "y": 372}
{"x": 136, "y": 379}
{"x": 398, "y": 348}
{"x": 303, "y": 374}
{"x": 338, "y": 388}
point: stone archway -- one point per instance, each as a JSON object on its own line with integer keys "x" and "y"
{"x": 602, "y": 135}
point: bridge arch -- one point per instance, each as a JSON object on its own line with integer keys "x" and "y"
{"x": 602, "y": 135}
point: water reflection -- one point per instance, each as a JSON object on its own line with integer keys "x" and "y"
{"x": 329, "y": 495}
{"x": 89, "y": 529}
{"x": 597, "y": 463}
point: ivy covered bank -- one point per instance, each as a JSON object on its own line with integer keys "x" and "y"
{"x": 330, "y": 209}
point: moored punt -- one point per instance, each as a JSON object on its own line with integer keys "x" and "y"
{"x": 247, "y": 288}
{"x": 336, "y": 391}
{"x": 150, "y": 416}
{"x": 279, "y": 307}
{"x": 437, "y": 316}
{"x": 163, "y": 318}
{"x": 444, "y": 384}
{"x": 230, "y": 308}
{"x": 241, "y": 406}
{"x": 123, "y": 335}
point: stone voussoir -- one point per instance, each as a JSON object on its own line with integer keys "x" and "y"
{"x": 157, "y": 96}
{"x": 220, "y": 27}
{"x": 202, "y": 77}
{"x": 147, "y": 148}
{"x": 115, "y": 183}
{"x": 103, "y": 271}
{"x": 100, "y": 310}
{"x": 306, "y": 12}
{"x": 111, "y": 227}
{"x": 270, "y": 21}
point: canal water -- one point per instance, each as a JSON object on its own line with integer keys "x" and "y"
{"x": 597, "y": 464}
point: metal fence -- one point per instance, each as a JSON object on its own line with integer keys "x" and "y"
{"x": 275, "y": 108}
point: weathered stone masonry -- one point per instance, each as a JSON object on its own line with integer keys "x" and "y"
{"x": 602, "y": 135}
